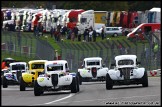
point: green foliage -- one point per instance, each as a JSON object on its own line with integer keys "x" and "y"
{"x": 86, "y": 5}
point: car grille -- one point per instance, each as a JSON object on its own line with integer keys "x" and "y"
{"x": 125, "y": 72}
{"x": 54, "y": 79}
{"x": 94, "y": 71}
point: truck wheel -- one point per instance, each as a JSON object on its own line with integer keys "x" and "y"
{"x": 5, "y": 82}
{"x": 145, "y": 80}
{"x": 38, "y": 90}
{"x": 80, "y": 78}
{"x": 22, "y": 84}
{"x": 73, "y": 85}
{"x": 109, "y": 82}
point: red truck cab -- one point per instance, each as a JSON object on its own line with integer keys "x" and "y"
{"x": 73, "y": 18}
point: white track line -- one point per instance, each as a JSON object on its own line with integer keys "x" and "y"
{"x": 110, "y": 98}
{"x": 60, "y": 99}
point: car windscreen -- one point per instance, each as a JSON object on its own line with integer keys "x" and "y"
{"x": 125, "y": 62}
{"x": 55, "y": 67}
{"x": 37, "y": 66}
{"x": 18, "y": 67}
{"x": 93, "y": 62}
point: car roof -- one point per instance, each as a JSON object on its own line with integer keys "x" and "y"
{"x": 13, "y": 63}
{"x": 32, "y": 61}
{"x": 93, "y": 58}
{"x": 56, "y": 61}
{"x": 120, "y": 57}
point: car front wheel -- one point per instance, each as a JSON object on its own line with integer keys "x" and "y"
{"x": 109, "y": 82}
{"x": 22, "y": 84}
{"x": 145, "y": 80}
{"x": 38, "y": 90}
{"x": 5, "y": 84}
{"x": 73, "y": 85}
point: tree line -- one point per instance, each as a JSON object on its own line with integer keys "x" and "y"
{"x": 86, "y": 5}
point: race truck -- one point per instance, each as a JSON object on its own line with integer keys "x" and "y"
{"x": 56, "y": 77}
{"x": 11, "y": 76}
{"x": 126, "y": 71}
{"x": 36, "y": 67}
{"x": 92, "y": 70}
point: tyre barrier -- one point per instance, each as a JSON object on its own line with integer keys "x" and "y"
{"x": 154, "y": 73}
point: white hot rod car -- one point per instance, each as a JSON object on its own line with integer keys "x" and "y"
{"x": 14, "y": 72}
{"x": 126, "y": 71}
{"x": 56, "y": 77}
{"x": 92, "y": 70}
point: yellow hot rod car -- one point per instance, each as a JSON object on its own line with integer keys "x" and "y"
{"x": 36, "y": 67}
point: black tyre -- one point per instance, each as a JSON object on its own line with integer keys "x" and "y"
{"x": 73, "y": 85}
{"x": 109, "y": 82}
{"x": 5, "y": 82}
{"x": 22, "y": 84}
{"x": 145, "y": 80}
{"x": 77, "y": 78}
{"x": 80, "y": 78}
{"x": 18, "y": 74}
{"x": 38, "y": 90}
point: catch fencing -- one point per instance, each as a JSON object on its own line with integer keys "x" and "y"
{"x": 26, "y": 45}
{"x": 107, "y": 50}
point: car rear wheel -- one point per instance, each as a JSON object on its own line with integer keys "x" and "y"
{"x": 145, "y": 80}
{"x": 5, "y": 84}
{"x": 22, "y": 84}
{"x": 109, "y": 82}
{"x": 38, "y": 90}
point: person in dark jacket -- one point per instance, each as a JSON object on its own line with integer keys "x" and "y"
{"x": 94, "y": 35}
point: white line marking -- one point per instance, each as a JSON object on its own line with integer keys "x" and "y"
{"x": 60, "y": 99}
{"x": 111, "y": 98}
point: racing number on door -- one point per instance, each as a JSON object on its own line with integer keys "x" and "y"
{"x": 67, "y": 79}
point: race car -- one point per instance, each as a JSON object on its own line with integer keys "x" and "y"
{"x": 56, "y": 77}
{"x": 126, "y": 71}
{"x": 36, "y": 67}
{"x": 92, "y": 70}
{"x": 11, "y": 76}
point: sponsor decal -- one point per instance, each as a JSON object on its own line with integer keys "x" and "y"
{"x": 41, "y": 79}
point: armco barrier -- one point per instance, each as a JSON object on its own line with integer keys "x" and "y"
{"x": 154, "y": 73}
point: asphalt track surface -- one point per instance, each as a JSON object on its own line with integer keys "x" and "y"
{"x": 91, "y": 93}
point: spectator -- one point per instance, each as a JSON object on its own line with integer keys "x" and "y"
{"x": 7, "y": 27}
{"x": 103, "y": 33}
{"x": 63, "y": 31}
{"x": 75, "y": 30}
{"x": 40, "y": 29}
{"x": 94, "y": 35}
{"x": 90, "y": 34}
{"x": 72, "y": 36}
{"x": 120, "y": 48}
{"x": 85, "y": 34}
{"x": 52, "y": 32}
